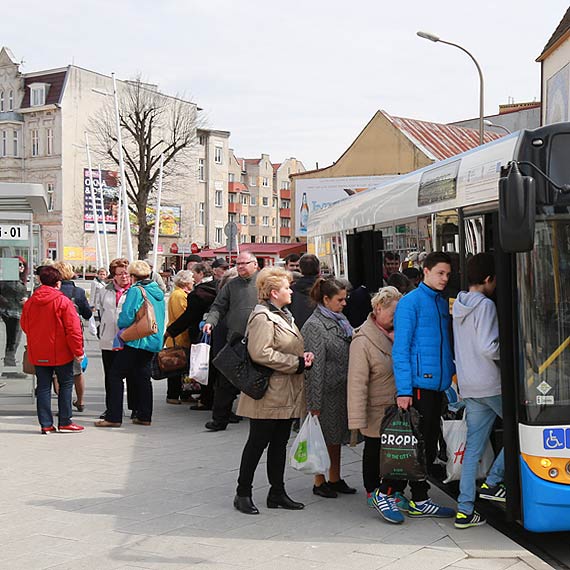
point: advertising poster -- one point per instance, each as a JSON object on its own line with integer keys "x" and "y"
{"x": 439, "y": 184}
{"x": 109, "y": 187}
{"x": 170, "y": 217}
{"x": 313, "y": 194}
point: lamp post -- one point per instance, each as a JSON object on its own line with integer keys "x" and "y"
{"x": 491, "y": 124}
{"x": 434, "y": 38}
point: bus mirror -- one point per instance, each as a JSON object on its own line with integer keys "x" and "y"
{"x": 517, "y": 208}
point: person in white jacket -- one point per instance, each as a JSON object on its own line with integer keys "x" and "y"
{"x": 476, "y": 338}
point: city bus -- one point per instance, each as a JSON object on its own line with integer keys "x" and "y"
{"x": 509, "y": 197}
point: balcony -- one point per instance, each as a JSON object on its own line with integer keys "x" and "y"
{"x": 285, "y": 232}
{"x": 236, "y": 187}
{"x": 285, "y": 194}
{"x": 285, "y": 212}
{"x": 234, "y": 208}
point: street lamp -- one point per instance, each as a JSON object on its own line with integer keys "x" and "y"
{"x": 491, "y": 124}
{"x": 434, "y": 38}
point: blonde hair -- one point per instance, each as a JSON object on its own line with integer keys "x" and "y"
{"x": 65, "y": 270}
{"x": 271, "y": 279}
{"x": 139, "y": 269}
{"x": 385, "y": 297}
{"x": 184, "y": 277}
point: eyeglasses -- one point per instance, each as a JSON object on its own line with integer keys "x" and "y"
{"x": 244, "y": 263}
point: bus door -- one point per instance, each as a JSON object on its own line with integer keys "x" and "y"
{"x": 365, "y": 260}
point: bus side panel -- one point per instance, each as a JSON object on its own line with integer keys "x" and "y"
{"x": 546, "y": 505}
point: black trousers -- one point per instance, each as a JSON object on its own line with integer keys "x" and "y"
{"x": 134, "y": 362}
{"x": 273, "y": 434}
{"x": 173, "y": 387}
{"x": 428, "y": 404}
{"x": 224, "y": 395}
{"x": 13, "y": 333}
{"x": 108, "y": 357}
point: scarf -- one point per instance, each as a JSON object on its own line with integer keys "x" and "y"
{"x": 339, "y": 319}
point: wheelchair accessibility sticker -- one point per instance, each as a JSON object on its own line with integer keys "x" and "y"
{"x": 556, "y": 438}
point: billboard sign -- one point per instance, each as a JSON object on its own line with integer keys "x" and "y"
{"x": 313, "y": 194}
{"x": 170, "y": 220}
{"x": 109, "y": 187}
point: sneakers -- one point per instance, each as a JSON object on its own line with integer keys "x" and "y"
{"x": 465, "y": 521}
{"x": 401, "y": 502}
{"x": 49, "y": 429}
{"x": 386, "y": 507}
{"x": 429, "y": 509}
{"x": 495, "y": 493}
{"x": 70, "y": 428}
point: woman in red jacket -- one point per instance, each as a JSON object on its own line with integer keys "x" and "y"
{"x": 54, "y": 337}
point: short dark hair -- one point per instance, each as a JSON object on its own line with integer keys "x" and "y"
{"x": 435, "y": 257}
{"x": 326, "y": 287}
{"x": 192, "y": 257}
{"x": 292, "y": 257}
{"x": 411, "y": 272}
{"x": 49, "y": 275}
{"x": 204, "y": 268}
{"x": 479, "y": 267}
{"x": 309, "y": 265}
{"x": 391, "y": 256}
{"x": 401, "y": 282}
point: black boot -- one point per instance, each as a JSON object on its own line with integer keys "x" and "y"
{"x": 275, "y": 500}
{"x": 245, "y": 505}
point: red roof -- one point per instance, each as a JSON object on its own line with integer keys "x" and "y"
{"x": 259, "y": 249}
{"x": 438, "y": 141}
{"x": 276, "y": 166}
{"x": 252, "y": 161}
{"x": 559, "y": 33}
{"x": 55, "y": 80}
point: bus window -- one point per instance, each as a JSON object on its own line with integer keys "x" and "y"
{"x": 544, "y": 321}
{"x": 448, "y": 231}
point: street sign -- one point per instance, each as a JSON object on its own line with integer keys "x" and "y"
{"x": 14, "y": 231}
{"x": 231, "y": 230}
{"x": 194, "y": 248}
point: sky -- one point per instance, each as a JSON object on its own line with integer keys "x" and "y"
{"x": 299, "y": 78}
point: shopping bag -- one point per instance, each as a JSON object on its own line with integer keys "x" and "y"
{"x": 309, "y": 452}
{"x": 455, "y": 436}
{"x": 200, "y": 360}
{"x": 402, "y": 452}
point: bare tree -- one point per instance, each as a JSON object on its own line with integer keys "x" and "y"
{"x": 151, "y": 124}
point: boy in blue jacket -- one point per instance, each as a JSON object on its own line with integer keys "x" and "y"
{"x": 423, "y": 365}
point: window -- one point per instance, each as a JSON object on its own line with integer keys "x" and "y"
{"x": 232, "y": 198}
{"x": 219, "y": 237}
{"x": 38, "y": 95}
{"x": 285, "y": 222}
{"x": 272, "y": 239}
{"x": 51, "y": 197}
{"x": 35, "y": 142}
{"x": 49, "y": 142}
{"x": 285, "y": 239}
{"x": 201, "y": 170}
{"x": 1, "y": 101}
{"x": 265, "y": 220}
{"x": 285, "y": 203}
{"x": 11, "y": 100}
{"x": 201, "y": 140}
{"x": 218, "y": 198}
{"x": 285, "y": 185}
{"x": 244, "y": 199}
{"x": 252, "y": 220}
{"x": 252, "y": 201}
{"x": 265, "y": 201}
{"x": 252, "y": 239}
{"x": 265, "y": 182}
{"x": 243, "y": 238}
{"x": 4, "y": 148}
{"x": 231, "y": 217}
{"x": 218, "y": 155}
{"x": 15, "y": 148}
{"x": 201, "y": 214}
{"x": 273, "y": 222}
{"x": 252, "y": 181}
{"x": 263, "y": 239}
{"x": 244, "y": 220}
{"x": 275, "y": 202}
{"x": 231, "y": 177}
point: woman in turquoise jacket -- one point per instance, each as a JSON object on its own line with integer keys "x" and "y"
{"x": 135, "y": 356}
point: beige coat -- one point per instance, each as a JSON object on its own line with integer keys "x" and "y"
{"x": 275, "y": 343}
{"x": 371, "y": 386}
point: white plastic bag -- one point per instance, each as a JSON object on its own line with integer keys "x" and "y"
{"x": 200, "y": 360}
{"x": 455, "y": 435}
{"x": 309, "y": 452}
{"x": 92, "y": 326}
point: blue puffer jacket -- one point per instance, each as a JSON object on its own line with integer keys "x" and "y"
{"x": 132, "y": 304}
{"x": 422, "y": 353}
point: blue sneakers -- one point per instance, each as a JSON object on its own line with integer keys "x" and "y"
{"x": 386, "y": 507}
{"x": 401, "y": 502}
{"x": 429, "y": 509}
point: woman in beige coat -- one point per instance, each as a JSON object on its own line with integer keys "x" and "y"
{"x": 274, "y": 341}
{"x": 371, "y": 389}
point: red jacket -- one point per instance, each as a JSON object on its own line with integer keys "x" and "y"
{"x": 52, "y": 327}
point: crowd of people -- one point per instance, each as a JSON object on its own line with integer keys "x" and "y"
{"x": 343, "y": 355}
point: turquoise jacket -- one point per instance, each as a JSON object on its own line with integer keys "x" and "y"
{"x": 132, "y": 304}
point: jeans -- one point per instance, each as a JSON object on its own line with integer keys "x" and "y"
{"x": 481, "y": 415}
{"x": 64, "y": 375}
{"x": 263, "y": 433}
{"x": 134, "y": 362}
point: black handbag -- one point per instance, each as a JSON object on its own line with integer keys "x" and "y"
{"x": 234, "y": 362}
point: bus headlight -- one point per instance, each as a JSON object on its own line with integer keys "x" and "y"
{"x": 545, "y": 462}
{"x": 553, "y": 472}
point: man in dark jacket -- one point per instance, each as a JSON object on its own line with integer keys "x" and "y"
{"x": 302, "y": 306}
{"x": 423, "y": 365}
{"x": 234, "y": 303}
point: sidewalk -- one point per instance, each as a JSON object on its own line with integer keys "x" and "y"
{"x": 161, "y": 498}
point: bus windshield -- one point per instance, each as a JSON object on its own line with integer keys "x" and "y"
{"x": 544, "y": 323}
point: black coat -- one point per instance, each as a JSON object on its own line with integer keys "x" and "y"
{"x": 302, "y": 306}
{"x": 199, "y": 301}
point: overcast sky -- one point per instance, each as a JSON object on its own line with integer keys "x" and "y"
{"x": 298, "y": 78}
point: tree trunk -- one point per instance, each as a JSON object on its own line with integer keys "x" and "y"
{"x": 145, "y": 242}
